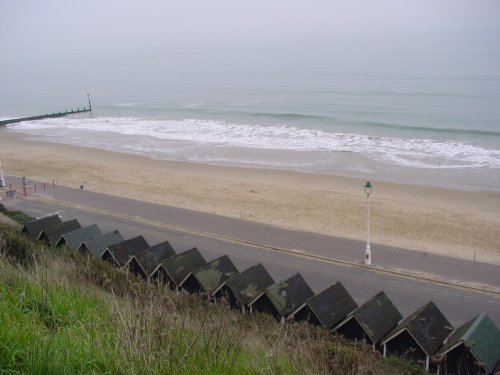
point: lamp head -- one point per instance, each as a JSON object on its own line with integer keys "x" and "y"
{"x": 368, "y": 188}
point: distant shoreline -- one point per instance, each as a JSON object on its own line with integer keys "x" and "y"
{"x": 442, "y": 221}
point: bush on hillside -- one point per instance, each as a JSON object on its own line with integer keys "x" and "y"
{"x": 15, "y": 247}
{"x": 17, "y": 216}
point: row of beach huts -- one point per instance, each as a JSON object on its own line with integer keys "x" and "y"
{"x": 425, "y": 336}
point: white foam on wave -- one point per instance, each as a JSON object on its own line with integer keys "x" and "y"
{"x": 419, "y": 153}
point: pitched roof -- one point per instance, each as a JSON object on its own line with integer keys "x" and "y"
{"x": 123, "y": 250}
{"x": 481, "y": 336}
{"x": 98, "y": 244}
{"x": 34, "y": 227}
{"x": 289, "y": 294}
{"x": 150, "y": 257}
{"x": 179, "y": 266}
{"x": 428, "y": 326}
{"x": 76, "y": 237}
{"x": 377, "y": 316}
{"x": 54, "y": 232}
{"x": 249, "y": 283}
{"x": 211, "y": 275}
{"x": 332, "y": 304}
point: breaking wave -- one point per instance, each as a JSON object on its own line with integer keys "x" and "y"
{"x": 419, "y": 153}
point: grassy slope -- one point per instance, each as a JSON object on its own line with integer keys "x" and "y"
{"x": 64, "y": 314}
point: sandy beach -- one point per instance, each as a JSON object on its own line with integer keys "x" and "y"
{"x": 448, "y": 222}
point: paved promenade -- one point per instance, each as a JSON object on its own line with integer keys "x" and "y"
{"x": 286, "y": 252}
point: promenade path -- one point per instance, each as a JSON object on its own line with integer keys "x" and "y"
{"x": 405, "y": 275}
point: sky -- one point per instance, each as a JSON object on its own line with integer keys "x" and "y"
{"x": 88, "y": 43}
{"x": 31, "y": 28}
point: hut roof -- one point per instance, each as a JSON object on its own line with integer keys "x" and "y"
{"x": 377, "y": 316}
{"x": 75, "y": 238}
{"x": 98, "y": 244}
{"x": 34, "y": 227}
{"x": 54, "y": 232}
{"x": 428, "y": 326}
{"x": 289, "y": 294}
{"x": 250, "y": 283}
{"x": 179, "y": 266}
{"x": 150, "y": 257}
{"x": 122, "y": 251}
{"x": 481, "y": 336}
{"x": 332, "y": 304}
{"x": 211, "y": 275}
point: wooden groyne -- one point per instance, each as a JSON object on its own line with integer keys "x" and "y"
{"x": 49, "y": 115}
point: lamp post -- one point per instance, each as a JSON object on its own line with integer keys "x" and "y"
{"x": 2, "y": 179}
{"x": 368, "y": 254}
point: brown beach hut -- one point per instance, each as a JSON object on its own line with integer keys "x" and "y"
{"x": 54, "y": 232}
{"x": 418, "y": 336}
{"x": 145, "y": 261}
{"x": 96, "y": 246}
{"x": 208, "y": 279}
{"x": 474, "y": 348}
{"x": 281, "y": 299}
{"x": 75, "y": 238}
{"x": 243, "y": 287}
{"x": 33, "y": 227}
{"x": 371, "y": 321}
{"x": 327, "y": 308}
{"x": 172, "y": 271}
{"x": 120, "y": 253}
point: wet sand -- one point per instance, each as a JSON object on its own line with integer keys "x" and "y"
{"x": 447, "y": 222}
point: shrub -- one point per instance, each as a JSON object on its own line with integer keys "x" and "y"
{"x": 17, "y": 216}
{"x": 16, "y": 247}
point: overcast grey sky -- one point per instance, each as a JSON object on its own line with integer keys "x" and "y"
{"x": 34, "y": 27}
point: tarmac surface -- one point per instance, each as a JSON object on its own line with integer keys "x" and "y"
{"x": 460, "y": 288}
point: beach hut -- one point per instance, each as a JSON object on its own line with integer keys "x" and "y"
{"x": 75, "y": 238}
{"x": 96, "y": 246}
{"x": 54, "y": 232}
{"x": 282, "y": 298}
{"x": 327, "y": 308}
{"x": 418, "y": 336}
{"x": 120, "y": 253}
{"x": 474, "y": 348}
{"x": 208, "y": 279}
{"x": 33, "y": 227}
{"x": 371, "y": 321}
{"x": 172, "y": 271}
{"x": 145, "y": 261}
{"x": 243, "y": 287}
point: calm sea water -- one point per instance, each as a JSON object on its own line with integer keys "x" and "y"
{"x": 410, "y": 110}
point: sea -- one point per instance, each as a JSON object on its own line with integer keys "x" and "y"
{"x": 406, "y": 109}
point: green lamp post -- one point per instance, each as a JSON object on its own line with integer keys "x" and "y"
{"x": 368, "y": 253}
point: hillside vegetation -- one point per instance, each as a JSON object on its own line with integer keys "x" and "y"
{"x": 62, "y": 313}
